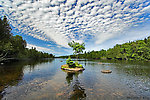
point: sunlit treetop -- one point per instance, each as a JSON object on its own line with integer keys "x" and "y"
{"x": 77, "y": 47}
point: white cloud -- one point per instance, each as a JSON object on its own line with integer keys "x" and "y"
{"x": 128, "y": 1}
{"x": 70, "y": 2}
{"x": 39, "y": 48}
{"x": 43, "y": 49}
{"x": 54, "y": 20}
{"x": 146, "y": 8}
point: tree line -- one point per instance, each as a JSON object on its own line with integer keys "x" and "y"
{"x": 15, "y": 46}
{"x": 135, "y": 50}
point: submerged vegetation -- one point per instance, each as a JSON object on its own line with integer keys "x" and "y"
{"x": 12, "y": 47}
{"x": 135, "y": 50}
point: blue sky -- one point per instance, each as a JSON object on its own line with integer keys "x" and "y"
{"x": 49, "y": 25}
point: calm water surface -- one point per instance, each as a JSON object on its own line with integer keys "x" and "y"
{"x": 44, "y": 80}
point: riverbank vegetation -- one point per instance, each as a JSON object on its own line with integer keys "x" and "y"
{"x": 136, "y": 50}
{"x": 14, "y": 47}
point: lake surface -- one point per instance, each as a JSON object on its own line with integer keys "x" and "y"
{"x": 44, "y": 80}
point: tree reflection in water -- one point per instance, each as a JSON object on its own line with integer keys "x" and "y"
{"x": 12, "y": 73}
{"x": 78, "y": 92}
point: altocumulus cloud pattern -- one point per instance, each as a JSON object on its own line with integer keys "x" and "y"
{"x": 90, "y": 21}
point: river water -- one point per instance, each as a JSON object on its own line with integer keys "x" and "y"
{"x": 44, "y": 80}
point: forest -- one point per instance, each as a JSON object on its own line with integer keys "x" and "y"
{"x": 14, "y": 47}
{"x": 136, "y": 50}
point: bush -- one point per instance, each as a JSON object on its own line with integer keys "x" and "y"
{"x": 72, "y": 64}
{"x": 78, "y": 65}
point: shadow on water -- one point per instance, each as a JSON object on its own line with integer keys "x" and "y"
{"x": 77, "y": 92}
{"x": 12, "y": 73}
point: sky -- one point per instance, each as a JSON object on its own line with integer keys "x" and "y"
{"x": 49, "y": 25}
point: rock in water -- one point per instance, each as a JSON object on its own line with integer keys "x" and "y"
{"x": 106, "y": 71}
